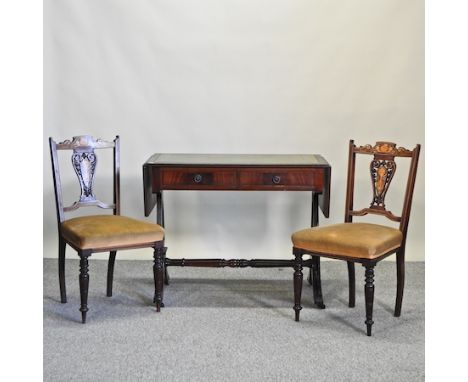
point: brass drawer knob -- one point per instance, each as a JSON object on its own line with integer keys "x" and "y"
{"x": 276, "y": 179}
{"x": 197, "y": 178}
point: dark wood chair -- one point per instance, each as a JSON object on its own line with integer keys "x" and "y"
{"x": 99, "y": 233}
{"x": 363, "y": 242}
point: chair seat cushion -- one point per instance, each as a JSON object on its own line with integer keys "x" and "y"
{"x": 106, "y": 231}
{"x": 358, "y": 240}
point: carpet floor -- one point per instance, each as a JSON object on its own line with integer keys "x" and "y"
{"x": 230, "y": 325}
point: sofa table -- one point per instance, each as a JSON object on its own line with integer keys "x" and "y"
{"x": 239, "y": 172}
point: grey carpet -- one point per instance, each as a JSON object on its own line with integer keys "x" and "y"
{"x": 230, "y": 325}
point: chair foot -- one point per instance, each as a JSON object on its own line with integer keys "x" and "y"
{"x": 297, "y": 311}
{"x": 154, "y": 302}
{"x": 369, "y": 328}
{"x": 83, "y": 317}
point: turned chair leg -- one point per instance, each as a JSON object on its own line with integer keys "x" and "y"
{"x": 317, "y": 282}
{"x": 166, "y": 273}
{"x": 298, "y": 278}
{"x": 400, "y": 263}
{"x": 158, "y": 271}
{"x": 110, "y": 272}
{"x": 84, "y": 285}
{"x": 369, "y": 296}
{"x": 61, "y": 268}
{"x": 352, "y": 284}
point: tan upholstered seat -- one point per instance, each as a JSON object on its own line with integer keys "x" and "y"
{"x": 105, "y": 231}
{"x": 358, "y": 240}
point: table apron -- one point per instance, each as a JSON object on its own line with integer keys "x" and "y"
{"x": 246, "y": 179}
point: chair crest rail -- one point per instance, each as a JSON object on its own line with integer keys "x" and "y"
{"x": 384, "y": 148}
{"x": 84, "y": 142}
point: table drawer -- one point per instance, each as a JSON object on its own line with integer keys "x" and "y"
{"x": 198, "y": 178}
{"x": 290, "y": 178}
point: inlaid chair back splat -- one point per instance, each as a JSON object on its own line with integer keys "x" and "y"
{"x": 382, "y": 170}
{"x": 84, "y": 161}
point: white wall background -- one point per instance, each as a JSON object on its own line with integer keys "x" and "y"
{"x": 251, "y": 76}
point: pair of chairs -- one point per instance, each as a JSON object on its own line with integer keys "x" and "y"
{"x": 353, "y": 242}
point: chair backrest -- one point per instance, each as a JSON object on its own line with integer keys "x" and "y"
{"x": 84, "y": 161}
{"x": 382, "y": 169}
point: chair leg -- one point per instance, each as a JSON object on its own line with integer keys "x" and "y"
{"x": 110, "y": 272}
{"x": 369, "y": 297}
{"x": 158, "y": 271}
{"x": 298, "y": 278}
{"x": 352, "y": 284}
{"x": 400, "y": 262}
{"x": 166, "y": 276}
{"x": 166, "y": 273}
{"x": 84, "y": 284}
{"x": 61, "y": 268}
{"x": 317, "y": 282}
{"x": 310, "y": 277}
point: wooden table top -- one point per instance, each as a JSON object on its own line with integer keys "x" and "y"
{"x": 237, "y": 159}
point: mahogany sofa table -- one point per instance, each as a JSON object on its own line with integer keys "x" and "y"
{"x": 238, "y": 172}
